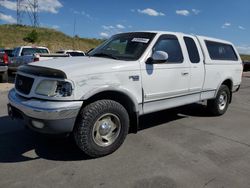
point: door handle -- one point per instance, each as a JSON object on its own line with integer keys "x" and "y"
{"x": 184, "y": 73}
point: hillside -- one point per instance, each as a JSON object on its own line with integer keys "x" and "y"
{"x": 12, "y": 36}
{"x": 245, "y": 57}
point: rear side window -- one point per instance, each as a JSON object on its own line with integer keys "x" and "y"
{"x": 171, "y": 45}
{"x": 221, "y": 51}
{"x": 31, "y": 51}
{"x": 192, "y": 50}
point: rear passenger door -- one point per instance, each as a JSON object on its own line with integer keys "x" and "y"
{"x": 197, "y": 69}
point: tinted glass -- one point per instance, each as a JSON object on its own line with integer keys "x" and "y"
{"x": 221, "y": 51}
{"x": 125, "y": 46}
{"x": 192, "y": 50}
{"x": 170, "y": 44}
{"x": 31, "y": 51}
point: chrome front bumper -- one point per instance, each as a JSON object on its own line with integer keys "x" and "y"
{"x": 52, "y": 116}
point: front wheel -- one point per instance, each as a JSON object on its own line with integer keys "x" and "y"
{"x": 101, "y": 128}
{"x": 219, "y": 105}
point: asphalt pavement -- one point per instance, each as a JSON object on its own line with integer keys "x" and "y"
{"x": 182, "y": 147}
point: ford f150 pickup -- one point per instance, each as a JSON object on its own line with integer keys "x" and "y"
{"x": 98, "y": 98}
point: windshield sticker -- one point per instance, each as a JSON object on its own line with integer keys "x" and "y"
{"x": 142, "y": 40}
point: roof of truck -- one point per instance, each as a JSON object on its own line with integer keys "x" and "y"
{"x": 191, "y": 34}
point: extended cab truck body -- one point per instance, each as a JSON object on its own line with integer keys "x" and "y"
{"x": 99, "y": 98}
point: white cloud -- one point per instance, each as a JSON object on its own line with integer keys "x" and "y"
{"x": 50, "y": 6}
{"x": 241, "y": 27}
{"x": 182, "y": 12}
{"x": 195, "y": 11}
{"x": 150, "y": 12}
{"x": 120, "y": 26}
{"x": 7, "y": 18}
{"x": 226, "y": 25}
{"x": 55, "y": 27}
{"x": 104, "y": 35}
{"x": 108, "y": 27}
{"x": 244, "y": 49}
{"x": 83, "y": 13}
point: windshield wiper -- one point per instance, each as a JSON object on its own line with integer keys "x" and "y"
{"x": 104, "y": 55}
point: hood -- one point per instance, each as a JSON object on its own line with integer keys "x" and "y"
{"x": 78, "y": 66}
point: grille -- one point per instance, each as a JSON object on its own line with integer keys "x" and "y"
{"x": 23, "y": 84}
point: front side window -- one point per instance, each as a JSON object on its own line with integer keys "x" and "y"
{"x": 221, "y": 51}
{"x": 125, "y": 46}
{"x": 171, "y": 45}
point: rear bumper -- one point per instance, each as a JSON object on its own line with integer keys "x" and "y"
{"x": 53, "y": 117}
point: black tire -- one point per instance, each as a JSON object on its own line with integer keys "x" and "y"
{"x": 216, "y": 106}
{"x": 84, "y": 130}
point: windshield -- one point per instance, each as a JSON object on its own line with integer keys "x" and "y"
{"x": 125, "y": 46}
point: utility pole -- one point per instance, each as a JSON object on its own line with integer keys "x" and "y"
{"x": 35, "y": 14}
{"x": 18, "y": 12}
{"x": 74, "y": 33}
{"x": 32, "y": 9}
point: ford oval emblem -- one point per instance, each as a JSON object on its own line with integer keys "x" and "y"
{"x": 20, "y": 82}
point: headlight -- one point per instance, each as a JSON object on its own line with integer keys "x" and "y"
{"x": 53, "y": 88}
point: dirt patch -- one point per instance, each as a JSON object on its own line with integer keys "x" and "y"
{"x": 5, "y": 87}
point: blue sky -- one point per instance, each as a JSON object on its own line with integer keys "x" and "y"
{"x": 226, "y": 19}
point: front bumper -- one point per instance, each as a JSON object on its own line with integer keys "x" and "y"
{"x": 53, "y": 117}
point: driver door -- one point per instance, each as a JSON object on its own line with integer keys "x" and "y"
{"x": 166, "y": 84}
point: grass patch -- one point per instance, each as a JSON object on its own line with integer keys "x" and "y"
{"x": 12, "y": 36}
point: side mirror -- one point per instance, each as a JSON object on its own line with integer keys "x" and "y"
{"x": 158, "y": 57}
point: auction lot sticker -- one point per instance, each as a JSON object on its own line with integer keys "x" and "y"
{"x": 142, "y": 40}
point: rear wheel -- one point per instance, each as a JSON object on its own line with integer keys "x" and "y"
{"x": 101, "y": 128}
{"x": 219, "y": 105}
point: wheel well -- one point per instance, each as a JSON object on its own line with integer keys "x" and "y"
{"x": 124, "y": 100}
{"x": 229, "y": 84}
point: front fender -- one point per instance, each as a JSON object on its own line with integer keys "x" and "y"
{"x": 106, "y": 88}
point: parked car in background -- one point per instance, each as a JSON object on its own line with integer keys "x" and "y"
{"x": 4, "y": 61}
{"x": 246, "y": 65}
{"x": 3, "y": 72}
{"x": 24, "y": 55}
{"x": 71, "y": 52}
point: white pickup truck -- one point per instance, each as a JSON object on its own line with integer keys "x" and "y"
{"x": 99, "y": 97}
{"x": 25, "y": 54}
